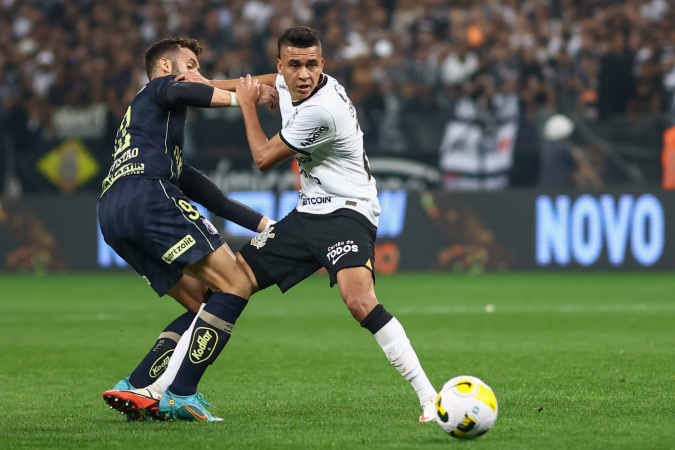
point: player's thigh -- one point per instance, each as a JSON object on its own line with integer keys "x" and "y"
{"x": 189, "y": 292}
{"x": 220, "y": 271}
{"x": 344, "y": 239}
{"x": 280, "y": 255}
{"x": 156, "y": 230}
{"x": 357, "y": 289}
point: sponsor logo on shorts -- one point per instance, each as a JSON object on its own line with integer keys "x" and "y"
{"x": 314, "y": 135}
{"x": 337, "y": 251}
{"x": 204, "y": 342}
{"x": 260, "y": 240}
{"x": 315, "y": 200}
{"x": 209, "y": 226}
{"x": 181, "y": 247}
{"x": 160, "y": 365}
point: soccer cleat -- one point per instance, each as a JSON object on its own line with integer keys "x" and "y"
{"x": 137, "y": 404}
{"x": 429, "y": 411}
{"x": 123, "y": 385}
{"x": 190, "y": 408}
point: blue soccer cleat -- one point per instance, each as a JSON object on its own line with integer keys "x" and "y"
{"x": 190, "y": 408}
{"x": 123, "y": 385}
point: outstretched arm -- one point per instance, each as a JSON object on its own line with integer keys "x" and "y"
{"x": 196, "y": 94}
{"x": 198, "y": 187}
{"x": 269, "y": 93}
{"x": 226, "y": 85}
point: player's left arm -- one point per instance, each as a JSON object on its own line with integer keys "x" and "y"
{"x": 198, "y": 187}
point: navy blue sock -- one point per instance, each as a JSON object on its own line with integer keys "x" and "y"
{"x": 155, "y": 363}
{"x": 211, "y": 333}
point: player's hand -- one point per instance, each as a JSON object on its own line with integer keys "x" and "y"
{"x": 268, "y": 96}
{"x": 192, "y": 76}
{"x": 248, "y": 91}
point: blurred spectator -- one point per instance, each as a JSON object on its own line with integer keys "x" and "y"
{"x": 563, "y": 165}
{"x": 399, "y": 59}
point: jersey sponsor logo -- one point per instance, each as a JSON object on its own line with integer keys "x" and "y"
{"x": 304, "y": 159}
{"x": 315, "y": 200}
{"x": 337, "y": 251}
{"x": 160, "y": 365}
{"x": 181, "y": 247}
{"x": 131, "y": 153}
{"x": 209, "y": 226}
{"x": 203, "y": 344}
{"x": 128, "y": 169}
{"x": 314, "y": 135}
{"x": 260, "y": 240}
{"x": 283, "y": 87}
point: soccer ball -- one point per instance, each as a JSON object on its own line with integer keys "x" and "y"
{"x": 466, "y": 407}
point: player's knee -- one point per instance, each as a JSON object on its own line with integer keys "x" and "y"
{"x": 239, "y": 285}
{"x": 359, "y": 303}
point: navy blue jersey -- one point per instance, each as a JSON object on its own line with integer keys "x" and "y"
{"x": 149, "y": 142}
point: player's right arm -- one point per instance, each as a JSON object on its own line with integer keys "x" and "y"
{"x": 226, "y": 85}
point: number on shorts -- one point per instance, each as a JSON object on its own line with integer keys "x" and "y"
{"x": 188, "y": 208}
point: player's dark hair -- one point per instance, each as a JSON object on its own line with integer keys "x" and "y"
{"x": 300, "y": 37}
{"x": 168, "y": 48}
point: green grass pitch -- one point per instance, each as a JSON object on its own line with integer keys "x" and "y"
{"x": 576, "y": 360}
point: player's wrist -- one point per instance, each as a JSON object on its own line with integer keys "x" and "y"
{"x": 233, "y": 99}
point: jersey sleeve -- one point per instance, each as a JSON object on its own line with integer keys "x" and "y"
{"x": 312, "y": 127}
{"x": 168, "y": 92}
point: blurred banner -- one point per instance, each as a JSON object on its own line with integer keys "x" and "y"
{"x": 419, "y": 230}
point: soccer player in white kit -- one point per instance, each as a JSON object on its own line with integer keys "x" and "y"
{"x": 336, "y": 219}
{"x": 334, "y": 225}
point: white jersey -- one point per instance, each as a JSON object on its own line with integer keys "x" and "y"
{"x": 324, "y": 130}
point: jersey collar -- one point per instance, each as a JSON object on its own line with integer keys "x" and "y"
{"x": 322, "y": 82}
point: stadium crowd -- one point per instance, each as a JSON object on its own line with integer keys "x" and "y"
{"x": 590, "y": 58}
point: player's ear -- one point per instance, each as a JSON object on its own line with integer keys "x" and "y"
{"x": 279, "y": 67}
{"x": 165, "y": 65}
{"x": 323, "y": 61}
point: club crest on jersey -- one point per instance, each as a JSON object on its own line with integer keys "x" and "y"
{"x": 209, "y": 226}
{"x": 260, "y": 240}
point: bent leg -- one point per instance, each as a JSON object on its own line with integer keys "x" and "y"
{"x": 211, "y": 329}
{"x": 357, "y": 290}
{"x": 189, "y": 292}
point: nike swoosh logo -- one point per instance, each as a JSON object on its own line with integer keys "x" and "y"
{"x": 336, "y": 259}
{"x": 198, "y": 416}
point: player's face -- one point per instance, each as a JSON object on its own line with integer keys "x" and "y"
{"x": 301, "y": 69}
{"x": 185, "y": 61}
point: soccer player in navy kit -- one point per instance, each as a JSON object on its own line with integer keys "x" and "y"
{"x": 147, "y": 218}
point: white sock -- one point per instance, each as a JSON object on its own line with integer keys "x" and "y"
{"x": 396, "y": 346}
{"x": 162, "y": 384}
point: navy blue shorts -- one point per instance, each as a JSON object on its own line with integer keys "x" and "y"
{"x": 153, "y": 226}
